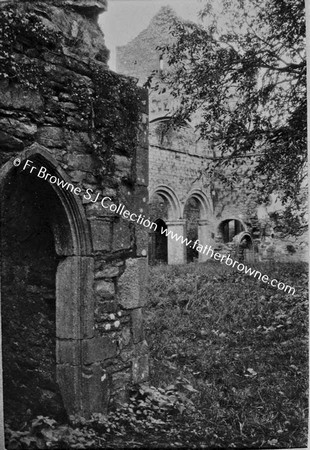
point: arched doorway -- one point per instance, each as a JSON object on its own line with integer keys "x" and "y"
{"x": 165, "y": 204}
{"x": 44, "y": 269}
{"x": 28, "y": 293}
{"x": 245, "y": 247}
{"x": 229, "y": 228}
{"x": 196, "y": 212}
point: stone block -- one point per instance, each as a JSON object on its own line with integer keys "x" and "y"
{"x": 101, "y": 233}
{"x": 140, "y": 204}
{"x": 108, "y": 272}
{"x": 18, "y": 128}
{"x": 141, "y": 166}
{"x": 98, "y": 349}
{"x": 131, "y": 289}
{"x": 123, "y": 166}
{"x": 95, "y": 390}
{"x": 106, "y": 306}
{"x": 127, "y": 354}
{"x": 78, "y": 176}
{"x": 125, "y": 337}
{"x": 140, "y": 199}
{"x": 142, "y": 239}
{"x": 121, "y": 234}
{"x": 78, "y": 142}
{"x": 81, "y": 162}
{"x": 120, "y": 380}
{"x": 69, "y": 381}
{"x": 51, "y": 137}
{"x": 9, "y": 143}
{"x": 96, "y": 5}
{"x": 137, "y": 325}
{"x": 18, "y": 97}
{"x": 95, "y": 209}
{"x": 143, "y": 136}
{"x": 68, "y": 351}
{"x": 105, "y": 289}
{"x": 140, "y": 364}
{"x": 75, "y": 298}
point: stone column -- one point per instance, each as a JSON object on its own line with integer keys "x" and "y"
{"x": 204, "y": 237}
{"x": 176, "y": 250}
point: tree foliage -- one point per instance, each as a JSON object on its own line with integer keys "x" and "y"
{"x": 243, "y": 73}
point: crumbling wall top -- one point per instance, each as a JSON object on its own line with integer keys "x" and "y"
{"x": 89, "y": 8}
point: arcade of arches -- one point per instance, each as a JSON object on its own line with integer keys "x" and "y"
{"x": 180, "y": 193}
{"x": 231, "y": 237}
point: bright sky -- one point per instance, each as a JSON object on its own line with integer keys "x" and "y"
{"x": 125, "y": 19}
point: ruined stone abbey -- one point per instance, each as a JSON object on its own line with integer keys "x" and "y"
{"x": 73, "y": 272}
{"x": 182, "y": 199}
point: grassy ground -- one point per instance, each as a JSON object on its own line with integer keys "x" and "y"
{"x": 229, "y": 362}
{"x": 241, "y": 344}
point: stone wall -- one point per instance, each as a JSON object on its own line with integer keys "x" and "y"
{"x": 73, "y": 271}
{"x": 178, "y": 159}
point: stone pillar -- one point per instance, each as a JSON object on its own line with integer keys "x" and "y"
{"x": 75, "y": 335}
{"x": 176, "y": 250}
{"x": 204, "y": 237}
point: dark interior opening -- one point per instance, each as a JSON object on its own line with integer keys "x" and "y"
{"x": 29, "y": 208}
{"x": 229, "y": 229}
{"x": 159, "y": 244}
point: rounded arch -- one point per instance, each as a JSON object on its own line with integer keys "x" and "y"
{"x": 174, "y": 209}
{"x": 227, "y": 217}
{"x": 205, "y": 204}
{"x": 246, "y": 238}
{"x": 245, "y": 246}
{"x": 75, "y": 215}
{"x": 230, "y": 227}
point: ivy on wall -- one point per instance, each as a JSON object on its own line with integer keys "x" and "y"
{"x": 109, "y": 105}
{"x": 112, "y": 110}
{"x": 17, "y": 32}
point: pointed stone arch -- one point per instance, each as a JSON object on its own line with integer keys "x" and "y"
{"x": 79, "y": 230}
{"x": 74, "y": 279}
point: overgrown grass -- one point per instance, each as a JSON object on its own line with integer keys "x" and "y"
{"x": 241, "y": 344}
{"x": 229, "y": 368}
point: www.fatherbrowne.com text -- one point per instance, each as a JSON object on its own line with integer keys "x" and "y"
{"x": 106, "y": 202}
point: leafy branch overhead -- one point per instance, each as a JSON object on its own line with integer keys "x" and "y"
{"x": 244, "y": 74}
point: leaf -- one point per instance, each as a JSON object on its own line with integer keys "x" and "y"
{"x": 190, "y": 388}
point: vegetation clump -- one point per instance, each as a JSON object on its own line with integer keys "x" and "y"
{"x": 228, "y": 367}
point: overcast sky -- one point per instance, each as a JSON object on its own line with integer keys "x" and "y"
{"x": 125, "y": 19}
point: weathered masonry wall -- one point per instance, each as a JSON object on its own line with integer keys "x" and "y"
{"x": 229, "y": 220}
{"x": 73, "y": 272}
